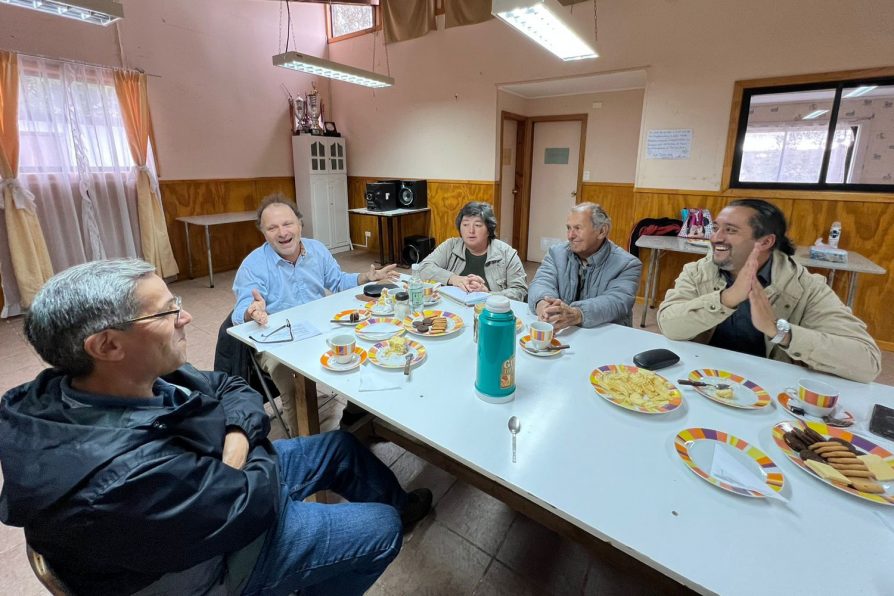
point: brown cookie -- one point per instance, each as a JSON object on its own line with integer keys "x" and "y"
{"x": 794, "y": 442}
{"x": 803, "y": 437}
{"x": 842, "y": 460}
{"x": 422, "y": 328}
{"x": 831, "y": 451}
{"x": 807, "y": 454}
{"x": 848, "y": 444}
{"x": 858, "y": 474}
{"x": 813, "y": 435}
{"x": 820, "y": 444}
{"x": 849, "y": 467}
{"x": 867, "y": 486}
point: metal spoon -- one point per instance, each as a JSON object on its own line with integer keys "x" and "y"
{"x": 702, "y": 384}
{"x": 514, "y": 427}
{"x": 407, "y": 365}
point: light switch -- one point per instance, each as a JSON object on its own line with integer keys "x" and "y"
{"x": 586, "y": 175}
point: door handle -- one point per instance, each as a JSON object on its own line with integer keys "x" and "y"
{"x": 515, "y": 191}
{"x": 573, "y": 193}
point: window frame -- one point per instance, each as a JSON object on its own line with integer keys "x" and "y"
{"x": 837, "y": 81}
{"x": 377, "y": 22}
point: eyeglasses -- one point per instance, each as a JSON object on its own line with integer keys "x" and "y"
{"x": 264, "y": 338}
{"x": 178, "y": 303}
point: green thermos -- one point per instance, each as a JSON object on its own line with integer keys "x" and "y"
{"x": 495, "y": 377}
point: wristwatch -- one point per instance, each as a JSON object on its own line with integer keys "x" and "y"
{"x": 782, "y": 328}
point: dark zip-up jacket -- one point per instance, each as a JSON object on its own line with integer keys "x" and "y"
{"x": 118, "y": 498}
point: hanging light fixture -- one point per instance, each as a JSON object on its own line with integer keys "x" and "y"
{"x": 331, "y": 70}
{"x": 98, "y": 12}
{"x": 547, "y": 23}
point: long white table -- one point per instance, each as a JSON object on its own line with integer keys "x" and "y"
{"x": 856, "y": 264}
{"x": 615, "y": 474}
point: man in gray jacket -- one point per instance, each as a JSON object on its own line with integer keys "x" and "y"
{"x": 589, "y": 280}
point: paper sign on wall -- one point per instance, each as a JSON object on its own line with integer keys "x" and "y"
{"x": 669, "y": 144}
{"x": 556, "y": 155}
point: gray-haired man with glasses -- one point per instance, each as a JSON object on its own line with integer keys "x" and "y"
{"x": 131, "y": 471}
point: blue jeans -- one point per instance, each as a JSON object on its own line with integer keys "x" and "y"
{"x": 330, "y": 549}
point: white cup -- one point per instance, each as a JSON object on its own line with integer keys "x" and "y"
{"x": 342, "y": 347}
{"x": 817, "y": 398}
{"x": 541, "y": 334}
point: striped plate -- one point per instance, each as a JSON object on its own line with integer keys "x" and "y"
{"x": 763, "y": 466}
{"x": 864, "y": 445}
{"x": 747, "y": 395}
{"x": 605, "y": 386}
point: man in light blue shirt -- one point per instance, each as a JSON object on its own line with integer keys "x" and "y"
{"x": 288, "y": 270}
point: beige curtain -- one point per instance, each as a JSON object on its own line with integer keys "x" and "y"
{"x": 30, "y": 260}
{"x": 408, "y": 19}
{"x": 466, "y": 12}
{"x": 134, "y": 99}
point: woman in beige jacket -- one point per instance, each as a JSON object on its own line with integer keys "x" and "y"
{"x": 477, "y": 261}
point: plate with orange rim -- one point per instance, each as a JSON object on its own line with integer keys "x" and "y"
{"x": 358, "y": 358}
{"x": 386, "y": 355}
{"x": 454, "y": 322}
{"x": 861, "y": 444}
{"x": 379, "y": 328}
{"x": 696, "y": 446}
{"x": 344, "y": 317}
{"x": 636, "y": 389}
{"x": 746, "y": 394}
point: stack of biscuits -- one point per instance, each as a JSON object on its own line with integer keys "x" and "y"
{"x": 435, "y": 324}
{"x": 834, "y": 459}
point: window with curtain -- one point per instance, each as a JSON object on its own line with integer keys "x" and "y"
{"x": 75, "y": 159}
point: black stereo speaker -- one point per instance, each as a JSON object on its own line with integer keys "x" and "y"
{"x": 382, "y": 196}
{"x": 413, "y": 194}
{"x": 417, "y": 248}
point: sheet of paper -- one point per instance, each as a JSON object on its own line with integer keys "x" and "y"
{"x": 725, "y": 467}
{"x": 300, "y": 330}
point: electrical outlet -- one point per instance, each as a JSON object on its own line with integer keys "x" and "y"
{"x": 367, "y": 233}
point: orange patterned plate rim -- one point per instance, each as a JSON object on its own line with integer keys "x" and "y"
{"x": 328, "y": 360}
{"x": 771, "y": 473}
{"x": 343, "y": 317}
{"x": 400, "y": 362}
{"x": 672, "y": 404}
{"x": 713, "y": 375}
{"x": 454, "y": 322}
{"x": 861, "y": 443}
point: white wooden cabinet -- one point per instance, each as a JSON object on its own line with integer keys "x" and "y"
{"x": 321, "y": 188}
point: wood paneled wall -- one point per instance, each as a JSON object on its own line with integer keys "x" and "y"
{"x": 445, "y": 199}
{"x": 231, "y": 242}
{"x": 865, "y": 219}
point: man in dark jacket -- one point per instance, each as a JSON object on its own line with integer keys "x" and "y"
{"x": 132, "y": 472}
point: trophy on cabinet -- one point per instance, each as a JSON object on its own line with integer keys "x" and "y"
{"x": 298, "y": 115}
{"x": 313, "y": 112}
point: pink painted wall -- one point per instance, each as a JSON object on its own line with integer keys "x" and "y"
{"x": 216, "y": 101}
{"x": 441, "y": 119}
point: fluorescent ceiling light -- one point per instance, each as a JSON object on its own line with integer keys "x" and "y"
{"x": 862, "y": 90}
{"x": 98, "y": 12}
{"x": 814, "y": 114}
{"x": 547, "y": 23}
{"x": 332, "y": 70}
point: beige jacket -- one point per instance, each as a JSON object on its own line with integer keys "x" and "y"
{"x": 503, "y": 270}
{"x": 825, "y": 335}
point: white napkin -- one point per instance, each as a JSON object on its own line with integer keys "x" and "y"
{"x": 727, "y": 468}
{"x": 376, "y": 380}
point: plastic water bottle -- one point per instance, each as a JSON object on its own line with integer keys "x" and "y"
{"x": 495, "y": 376}
{"x": 834, "y": 234}
{"x": 417, "y": 290}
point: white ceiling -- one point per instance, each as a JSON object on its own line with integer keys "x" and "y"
{"x": 594, "y": 83}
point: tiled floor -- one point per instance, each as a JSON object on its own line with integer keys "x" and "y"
{"x": 471, "y": 543}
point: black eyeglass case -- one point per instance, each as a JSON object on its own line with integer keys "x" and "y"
{"x": 655, "y": 359}
{"x": 375, "y": 290}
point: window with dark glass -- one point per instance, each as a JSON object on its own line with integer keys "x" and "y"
{"x": 819, "y": 136}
